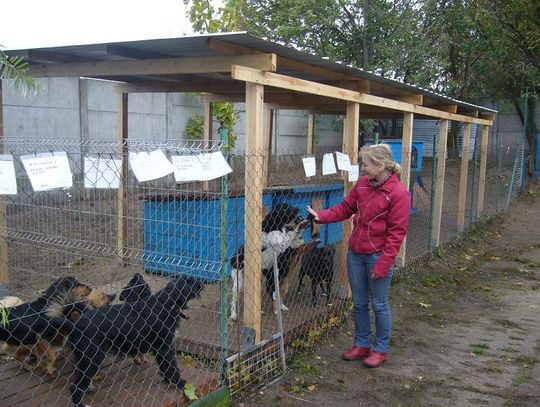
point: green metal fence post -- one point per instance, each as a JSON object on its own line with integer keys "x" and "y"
{"x": 224, "y": 248}
{"x": 431, "y": 243}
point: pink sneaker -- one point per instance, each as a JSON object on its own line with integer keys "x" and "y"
{"x": 355, "y": 353}
{"x": 375, "y": 359}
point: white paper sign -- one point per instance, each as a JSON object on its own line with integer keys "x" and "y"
{"x": 102, "y": 173}
{"x": 147, "y": 166}
{"x": 353, "y": 173}
{"x": 8, "y": 181}
{"x": 187, "y": 168}
{"x": 48, "y": 170}
{"x": 343, "y": 161}
{"x": 201, "y": 167}
{"x": 214, "y": 165}
{"x": 328, "y": 164}
{"x": 310, "y": 167}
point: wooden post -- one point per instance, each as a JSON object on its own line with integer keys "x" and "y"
{"x": 122, "y": 190}
{"x": 253, "y": 211}
{"x": 4, "y": 252}
{"x": 350, "y": 147}
{"x": 439, "y": 186}
{"x": 406, "y": 151}
{"x": 207, "y": 133}
{"x": 482, "y": 174}
{"x": 310, "y": 132}
{"x": 269, "y": 130}
{"x": 463, "y": 177}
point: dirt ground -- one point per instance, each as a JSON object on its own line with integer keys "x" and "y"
{"x": 466, "y": 331}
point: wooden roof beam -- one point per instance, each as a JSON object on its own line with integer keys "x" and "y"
{"x": 299, "y": 85}
{"x": 35, "y": 56}
{"x": 192, "y": 86}
{"x": 262, "y": 62}
{"x": 286, "y": 63}
{"x": 412, "y": 99}
{"x": 444, "y": 108}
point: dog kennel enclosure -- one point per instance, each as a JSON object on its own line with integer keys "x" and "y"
{"x": 169, "y": 227}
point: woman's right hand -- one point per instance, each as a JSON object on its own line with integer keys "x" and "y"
{"x": 313, "y": 213}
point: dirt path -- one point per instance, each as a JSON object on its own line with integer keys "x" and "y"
{"x": 466, "y": 331}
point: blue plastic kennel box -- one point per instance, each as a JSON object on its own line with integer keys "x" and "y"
{"x": 182, "y": 233}
{"x": 417, "y": 153}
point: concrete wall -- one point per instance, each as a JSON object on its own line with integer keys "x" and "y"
{"x": 87, "y": 109}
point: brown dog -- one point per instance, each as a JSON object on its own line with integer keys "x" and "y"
{"x": 28, "y": 323}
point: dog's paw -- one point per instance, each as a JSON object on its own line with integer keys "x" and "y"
{"x": 52, "y": 372}
{"x": 139, "y": 359}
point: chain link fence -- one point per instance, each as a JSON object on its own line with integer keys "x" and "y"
{"x": 111, "y": 227}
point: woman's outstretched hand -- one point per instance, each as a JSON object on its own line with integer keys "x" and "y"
{"x": 313, "y": 213}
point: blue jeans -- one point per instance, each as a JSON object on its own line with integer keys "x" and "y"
{"x": 363, "y": 289}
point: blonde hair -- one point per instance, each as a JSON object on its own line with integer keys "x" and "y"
{"x": 381, "y": 155}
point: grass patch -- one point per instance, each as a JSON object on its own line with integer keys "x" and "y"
{"x": 479, "y": 348}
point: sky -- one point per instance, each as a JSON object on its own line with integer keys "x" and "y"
{"x": 47, "y": 23}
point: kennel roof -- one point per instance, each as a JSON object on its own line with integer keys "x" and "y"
{"x": 205, "y": 63}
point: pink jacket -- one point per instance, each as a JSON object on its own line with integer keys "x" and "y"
{"x": 380, "y": 222}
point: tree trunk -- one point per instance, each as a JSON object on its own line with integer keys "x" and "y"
{"x": 452, "y": 146}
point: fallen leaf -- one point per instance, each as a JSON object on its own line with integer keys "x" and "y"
{"x": 189, "y": 391}
{"x": 407, "y": 386}
{"x": 424, "y": 305}
{"x": 312, "y": 387}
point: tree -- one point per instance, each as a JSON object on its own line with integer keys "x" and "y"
{"x": 14, "y": 67}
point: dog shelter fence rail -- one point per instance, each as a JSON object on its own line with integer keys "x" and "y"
{"x": 57, "y": 232}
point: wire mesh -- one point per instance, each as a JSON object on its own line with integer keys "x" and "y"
{"x": 223, "y": 232}
{"x": 163, "y": 230}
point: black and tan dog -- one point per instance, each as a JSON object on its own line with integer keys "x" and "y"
{"x": 130, "y": 328}
{"x": 28, "y": 324}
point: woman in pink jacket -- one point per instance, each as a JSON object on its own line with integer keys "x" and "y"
{"x": 381, "y": 206}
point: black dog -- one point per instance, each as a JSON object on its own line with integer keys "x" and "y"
{"x": 318, "y": 264}
{"x": 136, "y": 289}
{"x": 130, "y": 328}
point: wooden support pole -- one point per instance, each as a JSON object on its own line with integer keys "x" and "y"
{"x": 122, "y": 190}
{"x": 406, "y": 152}
{"x": 310, "y": 132}
{"x": 207, "y": 132}
{"x": 482, "y": 174}
{"x": 269, "y": 131}
{"x": 350, "y": 147}
{"x": 4, "y": 252}
{"x": 253, "y": 211}
{"x": 463, "y": 177}
{"x": 439, "y": 186}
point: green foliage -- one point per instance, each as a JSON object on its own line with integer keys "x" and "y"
{"x": 15, "y": 67}
{"x": 226, "y": 116}
{"x": 4, "y": 314}
{"x": 195, "y": 127}
{"x": 206, "y": 19}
